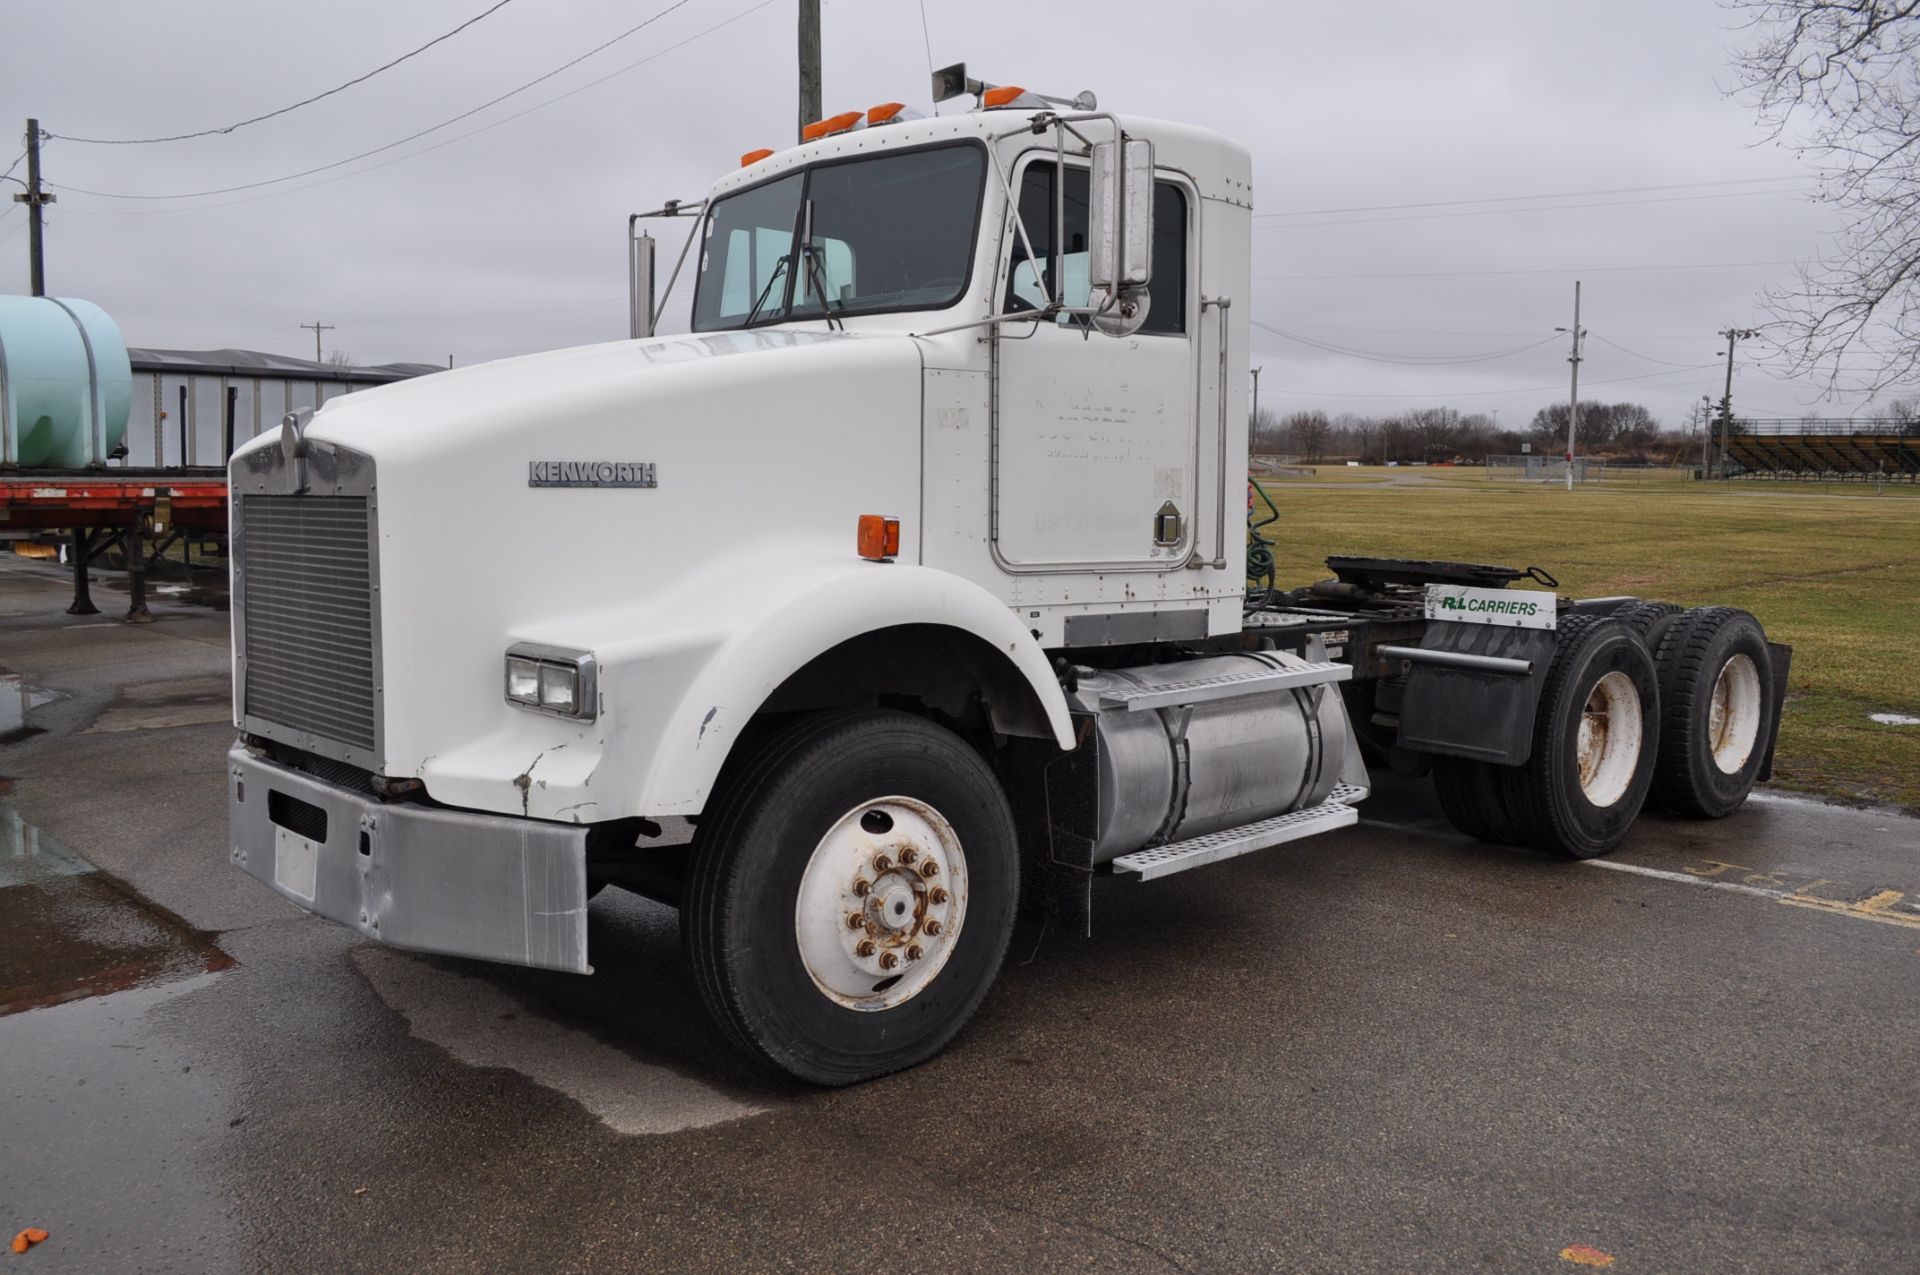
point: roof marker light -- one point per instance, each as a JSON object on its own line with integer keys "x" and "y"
{"x": 892, "y": 113}
{"x": 841, "y": 123}
{"x": 1009, "y": 95}
{"x": 753, "y": 157}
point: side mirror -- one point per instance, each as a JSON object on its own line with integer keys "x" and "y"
{"x": 1120, "y": 232}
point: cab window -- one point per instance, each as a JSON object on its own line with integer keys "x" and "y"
{"x": 1028, "y": 281}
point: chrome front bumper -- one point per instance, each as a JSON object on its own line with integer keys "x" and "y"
{"x": 464, "y": 884}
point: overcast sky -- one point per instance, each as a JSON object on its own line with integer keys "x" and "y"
{"x": 507, "y": 236}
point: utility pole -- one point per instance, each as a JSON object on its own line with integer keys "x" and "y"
{"x": 1703, "y": 411}
{"x": 316, "y": 327}
{"x": 1734, "y": 336}
{"x": 35, "y": 199}
{"x": 1573, "y": 396}
{"x": 809, "y": 66}
{"x": 1256, "y": 398}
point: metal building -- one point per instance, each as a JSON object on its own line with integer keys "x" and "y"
{"x": 192, "y": 407}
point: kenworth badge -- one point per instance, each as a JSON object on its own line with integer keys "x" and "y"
{"x": 590, "y": 473}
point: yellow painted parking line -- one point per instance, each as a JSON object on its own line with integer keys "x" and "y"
{"x": 1887, "y": 906}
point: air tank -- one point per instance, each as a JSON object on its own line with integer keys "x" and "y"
{"x": 65, "y": 383}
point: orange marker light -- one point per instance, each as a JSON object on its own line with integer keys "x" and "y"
{"x": 754, "y": 157}
{"x": 879, "y": 539}
{"x": 829, "y": 126}
{"x": 884, "y": 112}
{"x": 1002, "y": 96}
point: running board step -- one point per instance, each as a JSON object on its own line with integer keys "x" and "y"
{"x": 1203, "y": 689}
{"x": 1160, "y": 861}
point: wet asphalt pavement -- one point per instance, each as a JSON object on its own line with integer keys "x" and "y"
{"x": 1388, "y": 1050}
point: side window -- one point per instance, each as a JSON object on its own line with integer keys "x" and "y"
{"x": 1167, "y": 294}
{"x": 1027, "y": 281}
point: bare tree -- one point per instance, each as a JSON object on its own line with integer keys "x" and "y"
{"x": 1836, "y": 80}
{"x": 1306, "y": 434}
{"x": 1269, "y": 436}
{"x": 340, "y": 358}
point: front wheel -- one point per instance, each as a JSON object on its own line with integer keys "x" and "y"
{"x": 852, "y": 895}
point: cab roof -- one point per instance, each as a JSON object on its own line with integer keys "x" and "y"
{"x": 1219, "y": 166}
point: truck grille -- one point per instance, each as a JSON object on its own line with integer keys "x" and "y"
{"x": 307, "y": 615}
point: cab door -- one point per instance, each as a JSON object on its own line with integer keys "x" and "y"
{"x": 1094, "y": 447}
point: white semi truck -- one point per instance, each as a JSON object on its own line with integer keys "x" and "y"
{"x": 906, "y": 590}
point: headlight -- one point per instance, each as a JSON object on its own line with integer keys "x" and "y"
{"x": 552, "y": 679}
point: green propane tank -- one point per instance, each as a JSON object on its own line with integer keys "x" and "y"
{"x": 65, "y": 383}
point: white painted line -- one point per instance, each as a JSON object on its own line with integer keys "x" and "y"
{"x": 1685, "y": 878}
{"x": 1879, "y": 906}
{"x": 483, "y": 1027}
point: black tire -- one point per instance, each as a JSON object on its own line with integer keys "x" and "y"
{"x": 1551, "y": 810}
{"x": 762, "y": 828}
{"x": 1649, "y": 619}
{"x": 1472, "y": 798}
{"x": 1692, "y": 777}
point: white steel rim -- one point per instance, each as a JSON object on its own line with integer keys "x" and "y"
{"x": 1610, "y": 732}
{"x": 881, "y": 903}
{"x": 1733, "y": 714}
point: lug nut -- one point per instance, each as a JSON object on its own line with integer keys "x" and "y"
{"x": 863, "y": 948}
{"x": 930, "y": 869}
{"x": 862, "y": 887}
{"x": 882, "y": 864}
{"x": 937, "y": 895}
{"x": 932, "y": 926}
{"x": 888, "y": 960}
{"x": 856, "y": 920}
{"x": 915, "y": 952}
{"x": 909, "y": 854}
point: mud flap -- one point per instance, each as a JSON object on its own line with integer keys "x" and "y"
{"x": 1782, "y": 661}
{"x": 1484, "y": 716}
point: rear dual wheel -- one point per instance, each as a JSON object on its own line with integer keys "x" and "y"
{"x": 1716, "y": 682}
{"x": 1594, "y": 740}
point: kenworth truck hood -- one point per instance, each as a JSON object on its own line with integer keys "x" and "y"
{"x": 766, "y": 447}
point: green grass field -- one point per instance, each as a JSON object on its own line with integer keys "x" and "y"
{"x": 1835, "y": 573}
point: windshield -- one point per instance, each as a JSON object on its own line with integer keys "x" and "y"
{"x": 890, "y": 232}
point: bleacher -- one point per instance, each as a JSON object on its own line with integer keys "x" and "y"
{"x": 1832, "y": 451}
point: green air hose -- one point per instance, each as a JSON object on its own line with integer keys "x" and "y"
{"x": 1260, "y": 566}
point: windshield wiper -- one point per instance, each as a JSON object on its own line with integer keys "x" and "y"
{"x": 814, "y": 280}
{"x": 827, "y": 303}
{"x": 778, "y": 270}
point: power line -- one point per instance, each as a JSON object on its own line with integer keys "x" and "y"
{"x": 1635, "y": 353}
{"x": 1457, "y": 394}
{"x": 1462, "y": 274}
{"x": 15, "y": 164}
{"x": 1488, "y": 212}
{"x": 458, "y": 137}
{"x": 1502, "y": 199}
{"x": 338, "y": 88}
{"x": 274, "y": 181}
{"x": 1420, "y": 360}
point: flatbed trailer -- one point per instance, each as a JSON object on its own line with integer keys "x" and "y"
{"x": 142, "y": 511}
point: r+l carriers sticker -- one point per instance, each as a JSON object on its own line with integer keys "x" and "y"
{"x": 1509, "y": 608}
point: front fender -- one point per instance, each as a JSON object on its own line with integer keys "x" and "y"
{"x": 681, "y": 674}
{"x": 815, "y": 609}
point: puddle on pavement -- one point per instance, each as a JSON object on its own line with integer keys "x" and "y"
{"x": 17, "y": 702}
{"x": 68, "y": 931}
{"x": 207, "y": 594}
